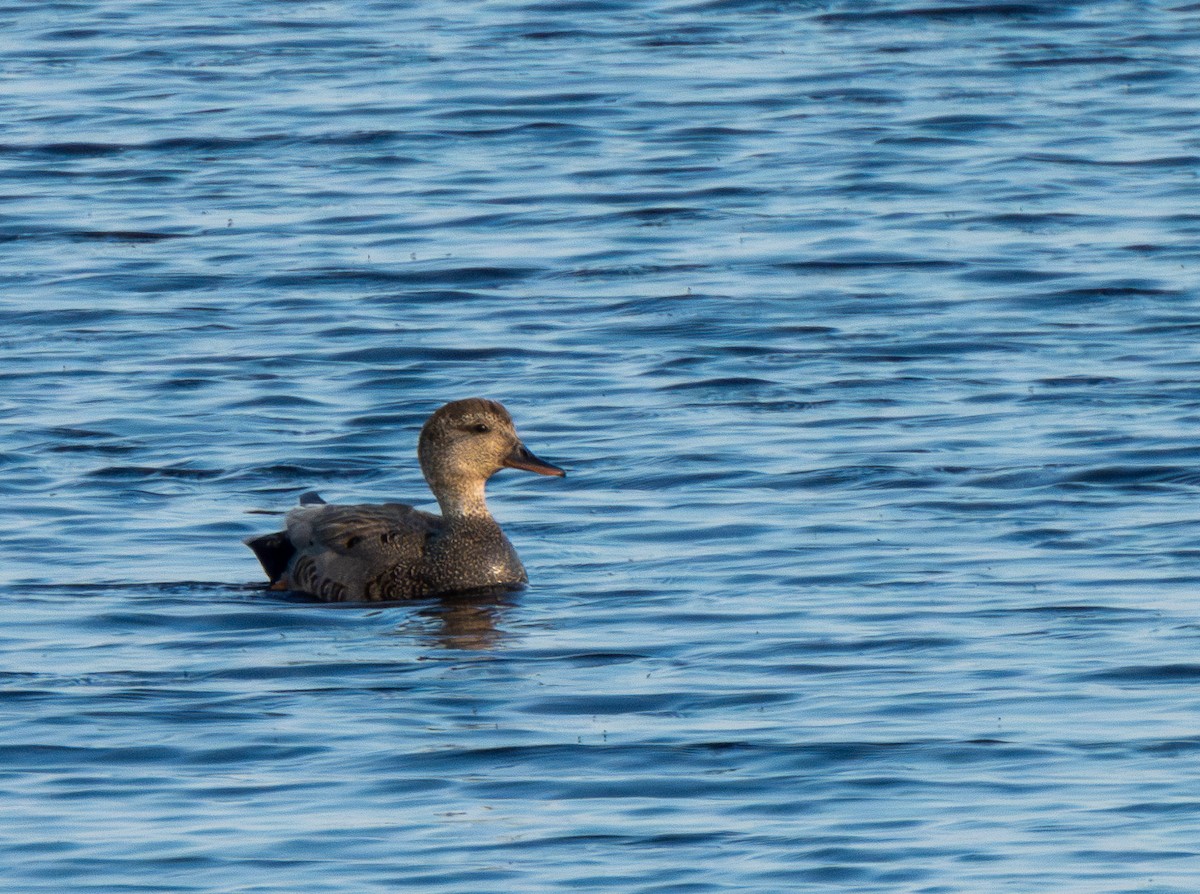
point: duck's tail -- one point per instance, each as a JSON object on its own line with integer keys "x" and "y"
{"x": 274, "y": 552}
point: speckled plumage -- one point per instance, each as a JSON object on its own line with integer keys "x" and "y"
{"x": 392, "y": 551}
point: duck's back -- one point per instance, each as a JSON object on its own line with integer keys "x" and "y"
{"x": 366, "y": 552}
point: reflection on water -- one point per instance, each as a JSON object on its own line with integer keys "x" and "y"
{"x": 469, "y": 621}
{"x": 462, "y": 621}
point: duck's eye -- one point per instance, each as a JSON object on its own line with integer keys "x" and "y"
{"x": 481, "y": 428}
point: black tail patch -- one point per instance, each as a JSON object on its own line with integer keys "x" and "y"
{"x": 311, "y": 498}
{"x": 274, "y": 551}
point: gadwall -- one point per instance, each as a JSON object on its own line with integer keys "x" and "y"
{"x": 392, "y": 551}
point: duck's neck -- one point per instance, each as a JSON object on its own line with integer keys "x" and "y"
{"x": 463, "y": 501}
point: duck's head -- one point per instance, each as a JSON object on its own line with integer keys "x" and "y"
{"x": 467, "y": 441}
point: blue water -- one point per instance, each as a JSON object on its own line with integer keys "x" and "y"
{"x": 869, "y": 333}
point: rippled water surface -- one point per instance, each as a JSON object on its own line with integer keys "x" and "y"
{"x": 868, "y": 332}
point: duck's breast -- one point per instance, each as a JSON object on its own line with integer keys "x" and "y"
{"x": 472, "y": 554}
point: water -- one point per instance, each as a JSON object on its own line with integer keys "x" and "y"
{"x": 868, "y": 335}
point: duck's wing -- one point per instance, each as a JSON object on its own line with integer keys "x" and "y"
{"x": 358, "y": 552}
{"x": 391, "y": 528}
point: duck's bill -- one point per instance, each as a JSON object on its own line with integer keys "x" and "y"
{"x": 522, "y": 458}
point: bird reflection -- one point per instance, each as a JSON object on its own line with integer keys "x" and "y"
{"x": 469, "y": 620}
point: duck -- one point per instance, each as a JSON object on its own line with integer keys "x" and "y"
{"x": 392, "y": 551}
